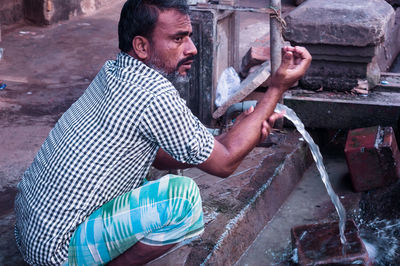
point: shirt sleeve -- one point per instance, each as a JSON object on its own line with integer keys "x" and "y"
{"x": 168, "y": 122}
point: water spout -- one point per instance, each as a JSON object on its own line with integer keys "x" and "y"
{"x": 291, "y": 115}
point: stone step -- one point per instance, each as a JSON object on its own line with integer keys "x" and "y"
{"x": 238, "y": 208}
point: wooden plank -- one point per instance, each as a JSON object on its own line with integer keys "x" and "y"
{"x": 390, "y": 74}
{"x": 252, "y": 82}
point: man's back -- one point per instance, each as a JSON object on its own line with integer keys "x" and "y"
{"x": 101, "y": 147}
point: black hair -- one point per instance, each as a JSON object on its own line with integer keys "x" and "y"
{"x": 139, "y": 18}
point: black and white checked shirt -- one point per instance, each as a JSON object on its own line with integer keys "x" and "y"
{"x": 102, "y": 147}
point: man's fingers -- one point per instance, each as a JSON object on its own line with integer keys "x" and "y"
{"x": 304, "y": 56}
{"x": 273, "y": 118}
{"x": 302, "y": 52}
{"x": 287, "y": 58}
{"x": 265, "y": 130}
{"x": 250, "y": 110}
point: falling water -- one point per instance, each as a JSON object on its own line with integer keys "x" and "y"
{"x": 291, "y": 115}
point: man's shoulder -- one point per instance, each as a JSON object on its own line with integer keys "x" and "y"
{"x": 134, "y": 72}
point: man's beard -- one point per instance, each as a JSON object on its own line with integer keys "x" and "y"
{"x": 173, "y": 76}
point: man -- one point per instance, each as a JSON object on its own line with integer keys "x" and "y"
{"x": 84, "y": 200}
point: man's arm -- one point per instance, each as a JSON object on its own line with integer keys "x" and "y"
{"x": 231, "y": 148}
{"x": 164, "y": 161}
{"x": 243, "y": 137}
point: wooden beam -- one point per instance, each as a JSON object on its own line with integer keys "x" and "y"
{"x": 247, "y": 86}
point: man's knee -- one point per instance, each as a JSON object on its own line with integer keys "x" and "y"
{"x": 187, "y": 189}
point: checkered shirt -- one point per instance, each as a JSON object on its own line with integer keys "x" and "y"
{"x": 102, "y": 147}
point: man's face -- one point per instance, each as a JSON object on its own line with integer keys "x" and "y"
{"x": 172, "y": 50}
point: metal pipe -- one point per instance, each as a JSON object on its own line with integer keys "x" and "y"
{"x": 276, "y": 35}
{"x": 238, "y": 107}
{"x": 276, "y": 43}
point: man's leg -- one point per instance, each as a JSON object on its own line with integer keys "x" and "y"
{"x": 146, "y": 222}
{"x": 140, "y": 254}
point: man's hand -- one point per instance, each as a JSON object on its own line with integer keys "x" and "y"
{"x": 266, "y": 126}
{"x": 295, "y": 62}
{"x": 230, "y": 150}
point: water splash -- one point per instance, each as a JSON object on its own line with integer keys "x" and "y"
{"x": 291, "y": 115}
{"x": 382, "y": 240}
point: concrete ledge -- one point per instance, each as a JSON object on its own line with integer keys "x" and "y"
{"x": 345, "y": 111}
{"x": 237, "y": 208}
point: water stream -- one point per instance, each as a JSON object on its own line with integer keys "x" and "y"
{"x": 291, "y": 115}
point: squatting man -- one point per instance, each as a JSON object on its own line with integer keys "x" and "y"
{"x": 85, "y": 200}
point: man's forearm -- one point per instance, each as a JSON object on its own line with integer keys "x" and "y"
{"x": 244, "y": 136}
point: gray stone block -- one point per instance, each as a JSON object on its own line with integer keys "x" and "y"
{"x": 340, "y": 22}
{"x": 350, "y": 40}
{"x": 339, "y": 50}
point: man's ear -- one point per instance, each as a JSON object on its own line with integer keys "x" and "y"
{"x": 141, "y": 47}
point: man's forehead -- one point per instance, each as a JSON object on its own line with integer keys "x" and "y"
{"x": 172, "y": 20}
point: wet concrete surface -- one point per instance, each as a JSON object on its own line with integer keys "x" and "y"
{"x": 309, "y": 203}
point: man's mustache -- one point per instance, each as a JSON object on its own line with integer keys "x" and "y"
{"x": 184, "y": 60}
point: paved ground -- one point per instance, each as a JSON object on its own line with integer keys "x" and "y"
{"x": 46, "y": 69}
{"x": 49, "y": 71}
{"x": 51, "y": 68}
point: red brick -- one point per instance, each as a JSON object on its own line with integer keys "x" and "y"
{"x": 319, "y": 244}
{"x": 372, "y": 157}
{"x": 254, "y": 56}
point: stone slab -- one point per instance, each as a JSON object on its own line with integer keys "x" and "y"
{"x": 340, "y": 76}
{"x": 337, "y": 110}
{"x": 339, "y": 50}
{"x": 341, "y": 22}
{"x": 373, "y": 157}
{"x": 387, "y": 52}
{"x": 319, "y": 244}
{"x": 338, "y": 67}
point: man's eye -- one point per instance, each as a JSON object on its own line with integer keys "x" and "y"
{"x": 178, "y": 39}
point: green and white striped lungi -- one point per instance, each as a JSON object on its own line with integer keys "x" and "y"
{"x": 160, "y": 212}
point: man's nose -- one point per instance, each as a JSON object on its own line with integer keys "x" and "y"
{"x": 190, "y": 48}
